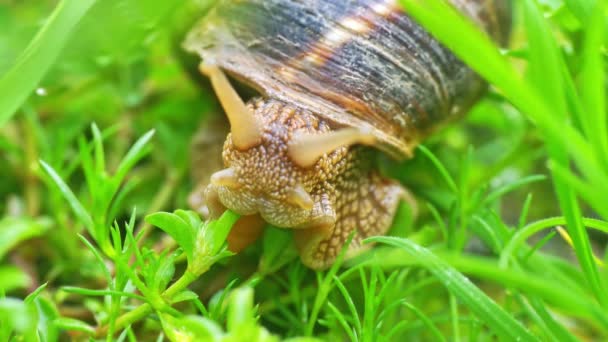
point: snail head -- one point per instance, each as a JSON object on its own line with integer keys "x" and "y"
{"x": 280, "y": 161}
{"x": 264, "y": 178}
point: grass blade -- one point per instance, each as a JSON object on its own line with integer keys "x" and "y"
{"x": 563, "y": 140}
{"x": 428, "y": 323}
{"x": 80, "y": 212}
{"x": 545, "y": 64}
{"x": 504, "y": 189}
{"x": 90, "y": 292}
{"x": 477, "y": 50}
{"x": 593, "y": 81}
{"x": 442, "y": 170}
{"x": 137, "y": 151}
{"x": 544, "y": 60}
{"x": 556, "y": 330}
{"x": 39, "y": 56}
{"x": 523, "y": 234}
{"x": 478, "y": 302}
{"x": 341, "y": 320}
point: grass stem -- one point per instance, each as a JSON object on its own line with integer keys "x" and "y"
{"x": 141, "y": 311}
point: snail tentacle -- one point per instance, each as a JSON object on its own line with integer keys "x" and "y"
{"x": 306, "y": 149}
{"x": 300, "y": 197}
{"x": 226, "y": 177}
{"x": 246, "y": 131}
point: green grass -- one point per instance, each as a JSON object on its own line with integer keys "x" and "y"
{"x": 96, "y": 242}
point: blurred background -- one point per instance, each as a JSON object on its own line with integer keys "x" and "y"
{"x": 121, "y": 70}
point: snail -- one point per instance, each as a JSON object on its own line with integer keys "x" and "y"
{"x": 336, "y": 82}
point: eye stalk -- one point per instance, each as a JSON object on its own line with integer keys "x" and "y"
{"x": 305, "y": 149}
{"x": 299, "y": 197}
{"x": 226, "y": 177}
{"x": 246, "y": 131}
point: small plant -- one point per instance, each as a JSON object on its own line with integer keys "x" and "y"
{"x": 142, "y": 274}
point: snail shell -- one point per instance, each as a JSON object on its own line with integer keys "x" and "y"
{"x": 355, "y": 62}
{"x": 334, "y": 76}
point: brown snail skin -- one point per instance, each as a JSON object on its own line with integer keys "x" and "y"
{"x": 338, "y": 81}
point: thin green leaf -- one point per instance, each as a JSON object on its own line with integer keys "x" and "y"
{"x": 556, "y": 329}
{"x": 478, "y": 302}
{"x": 39, "y": 56}
{"x": 442, "y": 170}
{"x": 487, "y": 234}
{"x": 100, "y": 163}
{"x": 342, "y": 320}
{"x": 426, "y": 320}
{"x": 47, "y": 313}
{"x": 544, "y": 60}
{"x": 80, "y": 212}
{"x": 35, "y": 294}
{"x": 501, "y": 191}
{"x": 93, "y": 183}
{"x": 523, "y": 217}
{"x": 100, "y": 262}
{"x": 137, "y": 151}
{"x": 537, "y": 246}
{"x": 276, "y": 243}
{"x": 90, "y": 292}
{"x": 583, "y": 189}
{"x": 594, "y": 80}
{"x": 72, "y": 324}
{"x": 350, "y": 303}
{"x": 325, "y": 286}
{"x": 523, "y": 234}
{"x": 580, "y": 239}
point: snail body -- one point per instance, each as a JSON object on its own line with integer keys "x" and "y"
{"x": 338, "y": 81}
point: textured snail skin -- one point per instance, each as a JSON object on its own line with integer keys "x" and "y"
{"x": 319, "y": 67}
{"x": 346, "y": 190}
